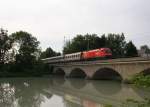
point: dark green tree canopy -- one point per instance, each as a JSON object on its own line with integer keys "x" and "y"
{"x": 83, "y": 42}
{"x": 5, "y": 45}
{"x": 27, "y": 43}
{"x": 28, "y": 47}
{"x": 131, "y": 50}
{"x": 116, "y": 42}
{"x": 146, "y": 49}
{"x": 49, "y": 52}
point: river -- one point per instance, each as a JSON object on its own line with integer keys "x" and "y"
{"x": 60, "y": 92}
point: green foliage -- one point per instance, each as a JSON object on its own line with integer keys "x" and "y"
{"x": 134, "y": 103}
{"x": 26, "y": 61}
{"x": 18, "y": 70}
{"x": 84, "y": 42}
{"x": 49, "y": 52}
{"x": 141, "y": 80}
{"x": 108, "y": 105}
{"x": 27, "y": 43}
{"x": 131, "y": 50}
{"x": 5, "y": 45}
{"x": 116, "y": 43}
{"x": 28, "y": 47}
{"x": 146, "y": 49}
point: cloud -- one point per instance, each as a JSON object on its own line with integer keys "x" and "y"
{"x": 51, "y": 20}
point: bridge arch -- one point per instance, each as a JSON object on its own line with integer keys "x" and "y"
{"x": 107, "y": 74}
{"x": 77, "y": 73}
{"x": 107, "y": 88}
{"x": 59, "y": 72}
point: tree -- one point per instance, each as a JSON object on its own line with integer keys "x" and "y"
{"x": 49, "y": 52}
{"x": 28, "y": 47}
{"x": 5, "y": 45}
{"x": 145, "y": 49}
{"x": 93, "y": 41}
{"x": 131, "y": 50}
{"x": 84, "y": 43}
{"x": 116, "y": 43}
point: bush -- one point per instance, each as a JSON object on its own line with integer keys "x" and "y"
{"x": 141, "y": 80}
{"x": 20, "y": 70}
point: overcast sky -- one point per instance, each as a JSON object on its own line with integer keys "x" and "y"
{"x": 51, "y": 20}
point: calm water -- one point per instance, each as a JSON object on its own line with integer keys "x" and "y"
{"x": 59, "y": 92}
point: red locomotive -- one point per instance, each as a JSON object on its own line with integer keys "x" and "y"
{"x": 97, "y": 53}
{"x": 86, "y": 55}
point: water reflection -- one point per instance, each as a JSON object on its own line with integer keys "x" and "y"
{"x": 78, "y": 85}
{"x": 107, "y": 87}
{"x": 142, "y": 92}
{"x": 60, "y": 92}
{"x": 23, "y": 92}
{"x": 58, "y": 81}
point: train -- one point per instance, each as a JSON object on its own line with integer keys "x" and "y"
{"x": 100, "y": 53}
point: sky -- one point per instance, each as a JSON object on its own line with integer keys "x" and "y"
{"x": 52, "y": 20}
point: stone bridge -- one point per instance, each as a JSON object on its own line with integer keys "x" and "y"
{"x": 122, "y": 70}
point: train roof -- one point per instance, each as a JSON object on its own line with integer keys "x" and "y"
{"x": 51, "y": 58}
{"x": 73, "y": 54}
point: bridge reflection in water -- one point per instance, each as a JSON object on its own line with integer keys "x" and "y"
{"x": 60, "y": 92}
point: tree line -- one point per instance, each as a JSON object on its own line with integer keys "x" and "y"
{"x": 116, "y": 42}
{"x": 19, "y": 54}
{"x": 20, "y": 51}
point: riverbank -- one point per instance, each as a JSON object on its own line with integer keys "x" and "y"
{"x": 141, "y": 80}
{"x": 19, "y": 70}
{"x": 39, "y": 70}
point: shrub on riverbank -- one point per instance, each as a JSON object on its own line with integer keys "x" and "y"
{"x": 134, "y": 103}
{"x": 141, "y": 80}
{"x": 19, "y": 70}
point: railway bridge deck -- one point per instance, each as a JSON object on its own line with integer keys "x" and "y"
{"x": 122, "y": 69}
